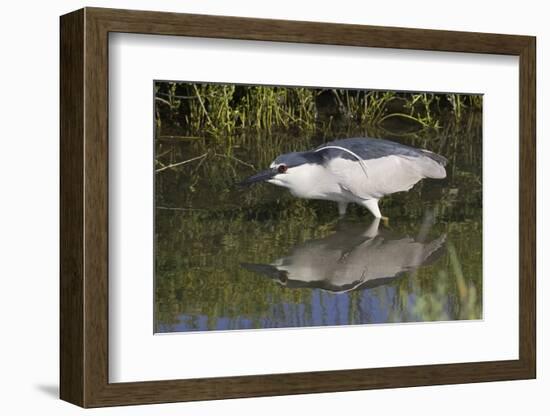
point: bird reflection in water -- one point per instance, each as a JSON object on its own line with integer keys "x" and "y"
{"x": 352, "y": 258}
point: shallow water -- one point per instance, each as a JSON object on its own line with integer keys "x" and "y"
{"x": 234, "y": 258}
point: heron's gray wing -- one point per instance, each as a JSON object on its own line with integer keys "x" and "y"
{"x": 391, "y": 258}
{"x": 372, "y": 168}
{"x": 373, "y": 178}
{"x": 369, "y": 148}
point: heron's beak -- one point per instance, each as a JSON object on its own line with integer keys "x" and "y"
{"x": 267, "y": 270}
{"x": 259, "y": 177}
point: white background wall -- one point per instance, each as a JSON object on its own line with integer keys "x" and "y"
{"x": 29, "y": 159}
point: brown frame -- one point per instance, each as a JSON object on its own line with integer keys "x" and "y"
{"x": 84, "y": 207}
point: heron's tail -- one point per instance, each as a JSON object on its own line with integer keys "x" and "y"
{"x": 432, "y": 165}
{"x": 434, "y": 156}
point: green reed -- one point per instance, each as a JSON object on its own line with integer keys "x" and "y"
{"x": 214, "y": 110}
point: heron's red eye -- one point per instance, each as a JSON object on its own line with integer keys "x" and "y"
{"x": 282, "y": 168}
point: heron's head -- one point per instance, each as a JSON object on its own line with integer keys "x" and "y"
{"x": 287, "y": 170}
{"x": 278, "y": 275}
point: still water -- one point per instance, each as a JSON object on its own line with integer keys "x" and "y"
{"x": 232, "y": 258}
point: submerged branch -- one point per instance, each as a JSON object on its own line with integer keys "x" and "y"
{"x": 181, "y": 209}
{"x": 173, "y": 165}
{"x": 236, "y": 160}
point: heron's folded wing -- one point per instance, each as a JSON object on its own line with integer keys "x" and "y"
{"x": 373, "y": 178}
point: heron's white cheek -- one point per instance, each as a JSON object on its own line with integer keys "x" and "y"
{"x": 276, "y": 181}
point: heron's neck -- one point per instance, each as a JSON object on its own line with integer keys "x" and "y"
{"x": 311, "y": 181}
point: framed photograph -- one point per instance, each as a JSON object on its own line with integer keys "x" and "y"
{"x": 255, "y": 207}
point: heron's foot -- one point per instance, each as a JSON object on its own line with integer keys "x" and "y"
{"x": 385, "y": 221}
{"x": 342, "y": 208}
{"x": 372, "y": 231}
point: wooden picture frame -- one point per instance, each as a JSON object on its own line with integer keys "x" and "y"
{"x": 84, "y": 207}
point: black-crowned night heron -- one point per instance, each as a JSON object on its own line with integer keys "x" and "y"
{"x": 360, "y": 170}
